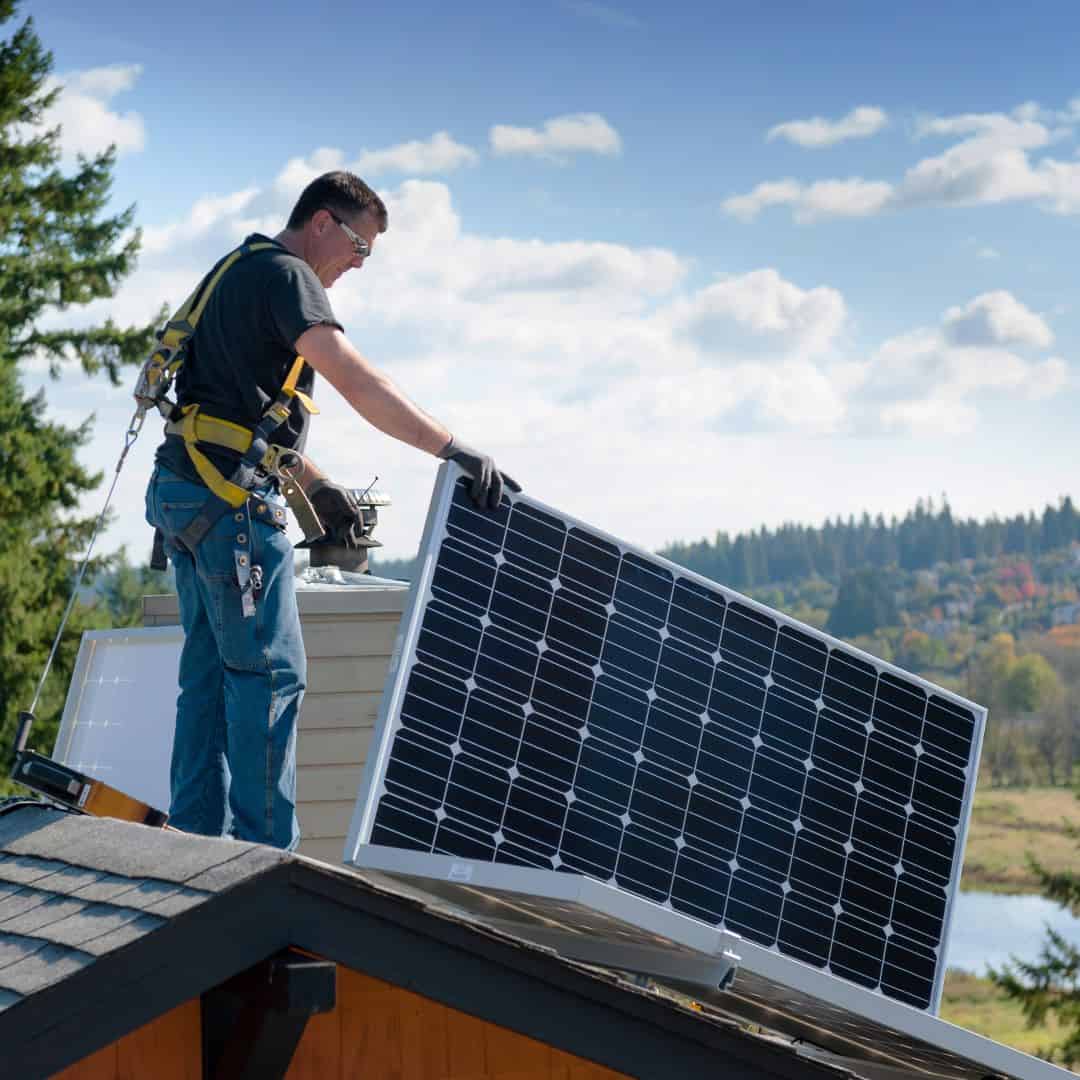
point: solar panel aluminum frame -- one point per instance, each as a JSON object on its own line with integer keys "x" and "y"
{"x": 833, "y": 1019}
{"x": 405, "y": 656}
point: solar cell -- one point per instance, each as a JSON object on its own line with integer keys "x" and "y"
{"x": 567, "y": 702}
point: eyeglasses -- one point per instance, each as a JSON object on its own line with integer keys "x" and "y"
{"x": 361, "y": 248}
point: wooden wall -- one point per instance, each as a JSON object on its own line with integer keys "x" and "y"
{"x": 377, "y": 1032}
{"x": 349, "y": 635}
{"x": 168, "y": 1048}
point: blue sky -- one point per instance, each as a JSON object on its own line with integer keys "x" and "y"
{"x": 679, "y": 269}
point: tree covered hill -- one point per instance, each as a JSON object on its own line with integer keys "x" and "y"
{"x": 923, "y": 538}
{"x": 926, "y": 537}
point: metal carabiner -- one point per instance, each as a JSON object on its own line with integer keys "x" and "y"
{"x": 280, "y": 462}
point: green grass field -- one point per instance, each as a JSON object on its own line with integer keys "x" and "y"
{"x": 976, "y": 1004}
{"x": 1006, "y": 823}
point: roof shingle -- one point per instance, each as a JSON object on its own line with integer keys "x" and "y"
{"x": 75, "y": 888}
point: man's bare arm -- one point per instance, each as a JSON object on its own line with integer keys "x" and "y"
{"x": 371, "y": 393}
{"x": 382, "y": 404}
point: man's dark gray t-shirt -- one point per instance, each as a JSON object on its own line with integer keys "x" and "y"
{"x": 243, "y": 348}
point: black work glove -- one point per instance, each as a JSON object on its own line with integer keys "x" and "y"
{"x": 487, "y": 481}
{"x": 336, "y": 506}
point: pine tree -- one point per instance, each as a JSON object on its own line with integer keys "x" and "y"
{"x": 1050, "y": 985}
{"x": 864, "y": 602}
{"x": 58, "y": 250}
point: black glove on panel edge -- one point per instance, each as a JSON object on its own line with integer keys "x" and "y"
{"x": 487, "y": 480}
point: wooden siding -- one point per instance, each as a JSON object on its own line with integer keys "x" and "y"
{"x": 377, "y": 1030}
{"x": 349, "y": 636}
{"x": 168, "y": 1048}
{"x": 384, "y": 1031}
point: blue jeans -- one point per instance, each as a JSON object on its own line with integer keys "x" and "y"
{"x": 243, "y": 668}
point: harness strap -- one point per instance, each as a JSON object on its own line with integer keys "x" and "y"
{"x": 194, "y": 427}
{"x": 187, "y": 427}
{"x": 165, "y": 362}
{"x": 224, "y": 433}
{"x": 228, "y": 494}
{"x": 288, "y": 387}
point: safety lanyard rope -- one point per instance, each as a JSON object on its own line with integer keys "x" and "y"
{"x": 134, "y": 427}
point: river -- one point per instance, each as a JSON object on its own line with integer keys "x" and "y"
{"x": 988, "y": 927}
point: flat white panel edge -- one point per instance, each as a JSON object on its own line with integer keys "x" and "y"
{"x": 958, "y": 860}
{"x": 401, "y": 662}
{"x": 573, "y": 888}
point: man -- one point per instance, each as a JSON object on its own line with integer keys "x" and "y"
{"x": 243, "y": 668}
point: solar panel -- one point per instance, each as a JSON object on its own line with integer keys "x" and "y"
{"x": 121, "y": 704}
{"x": 564, "y": 701}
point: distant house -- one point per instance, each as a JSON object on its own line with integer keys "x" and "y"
{"x": 941, "y": 629}
{"x": 1065, "y": 614}
{"x": 959, "y": 609}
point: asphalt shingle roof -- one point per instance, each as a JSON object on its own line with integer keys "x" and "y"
{"x": 106, "y": 924}
{"x": 73, "y": 889}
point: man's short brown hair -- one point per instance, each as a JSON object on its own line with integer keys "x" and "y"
{"x": 341, "y": 192}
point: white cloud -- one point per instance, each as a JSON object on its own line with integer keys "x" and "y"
{"x": 1021, "y": 129}
{"x": 775, "y": 312}
{"x": 966, "y": 371}
{"x": 1061, "y": 180}
{"x": 842, "y": 198}
{"x": 988, "y": 253}
{"x": 207, "y": 212}
{"x": 802, "y": 395}
{"x": 860, "y": 123}
{"x": 930, "y": 416}
{"x": 990, "y": 164}
{"x": 439, "y": 154}
{"x": 584, "y": 359}
{"x": 1048, "y": 378}
{"x": 103, "y": 82}
{"x": 994, "y": 159}
{"x": 932, "y": 379}
{"x": 575, "y": 133}
{"x": 300, "y": 171}
{"x": 996, "y": 318}
{"x": 825, "y": 199}
{"x": 770, "y": 193}
{"x": 82, "y": 110}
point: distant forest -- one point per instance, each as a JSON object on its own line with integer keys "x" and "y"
{"x": 925, "y": 536}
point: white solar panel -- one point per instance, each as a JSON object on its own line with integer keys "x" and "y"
{"x": 121, "y": 706}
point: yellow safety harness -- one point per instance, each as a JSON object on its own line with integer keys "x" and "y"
{"x": 195, "y": 427}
